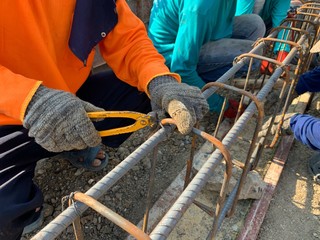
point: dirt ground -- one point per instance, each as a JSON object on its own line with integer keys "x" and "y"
{"x": 58, "y": 178}
{"x": 294, "y": 212}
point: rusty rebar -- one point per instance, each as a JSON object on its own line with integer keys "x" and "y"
{"x": 259, "y": 105}
{"x": 111, "y": 215}
{"x": 227, "y": 174}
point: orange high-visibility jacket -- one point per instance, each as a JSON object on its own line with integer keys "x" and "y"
{"x": 34, "y": 50}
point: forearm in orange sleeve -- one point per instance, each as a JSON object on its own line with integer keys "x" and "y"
{"x": 16, "y": 92}
{"x": 130, "y": 53}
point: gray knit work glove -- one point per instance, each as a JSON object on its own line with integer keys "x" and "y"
{"x": 185, "y": 104}
{"x": 58, "y": 121}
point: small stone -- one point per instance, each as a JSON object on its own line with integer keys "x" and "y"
{"x": 90, "y": 181}
{"x": 99, "y": 226}
{"x": 135, "y": 168}
{"x": 48, "y": 210}
{"x": 235, "y": 228}
{"x": 79, "y": 171}
{"x": 252, "y": 188}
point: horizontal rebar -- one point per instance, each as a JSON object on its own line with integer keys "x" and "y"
{"x": 171, "y": 218}
{"x": 63, "y": 220}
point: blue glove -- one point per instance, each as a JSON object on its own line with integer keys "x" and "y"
{"x": 306, "y": 129}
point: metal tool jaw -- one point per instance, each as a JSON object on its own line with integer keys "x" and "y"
{"x": 141, "y": 121}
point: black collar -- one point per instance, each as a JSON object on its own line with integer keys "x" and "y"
{"x": 92, "y": 21}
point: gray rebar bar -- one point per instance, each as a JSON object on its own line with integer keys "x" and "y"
{"x": 63, "y": 220}
{"x": 233, "y": 70}
{"x": 172, "y": 217}
{"x": 169, "y": 221}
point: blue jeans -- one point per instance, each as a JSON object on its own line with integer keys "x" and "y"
{"x": 217, "y": 57}
{"x": 19, "y": 196}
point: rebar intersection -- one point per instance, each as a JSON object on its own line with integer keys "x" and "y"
{"x": 300, "y": 33}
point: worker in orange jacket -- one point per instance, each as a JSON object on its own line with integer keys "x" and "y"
{"x": 46, "y": 55}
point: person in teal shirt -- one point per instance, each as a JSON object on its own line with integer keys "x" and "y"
{"x": 200, "y": 39}
{"x": 273, "y": 12}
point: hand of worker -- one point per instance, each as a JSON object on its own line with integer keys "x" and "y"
{"x": 58, "y": 121}
{"x": 184, "y": 103}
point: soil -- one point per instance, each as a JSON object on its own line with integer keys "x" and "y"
{"x": 58, "y": 178}
{"x": 294, "y": 212}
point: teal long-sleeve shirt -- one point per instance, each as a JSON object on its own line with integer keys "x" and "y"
{"x": 273, "y": 12}
{"x": 179, "y": 28}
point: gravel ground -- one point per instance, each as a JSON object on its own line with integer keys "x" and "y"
{"x": 294, "y": 212}
{"x": 58, "y": 178}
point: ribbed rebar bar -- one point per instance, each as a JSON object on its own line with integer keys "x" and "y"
{"x": 230, "y": 73}
{"x": 62, "y": 221}
{"x": 172, "y": 217}
{"x": 111, "y": 215}
{"x": 169, "y": 221}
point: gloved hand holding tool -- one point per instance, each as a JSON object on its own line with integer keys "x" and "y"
{"x": 60, "y": 121}
{"x": 184, "y": 103}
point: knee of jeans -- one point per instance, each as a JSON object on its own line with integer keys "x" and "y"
{"x": 258, "y": 26}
